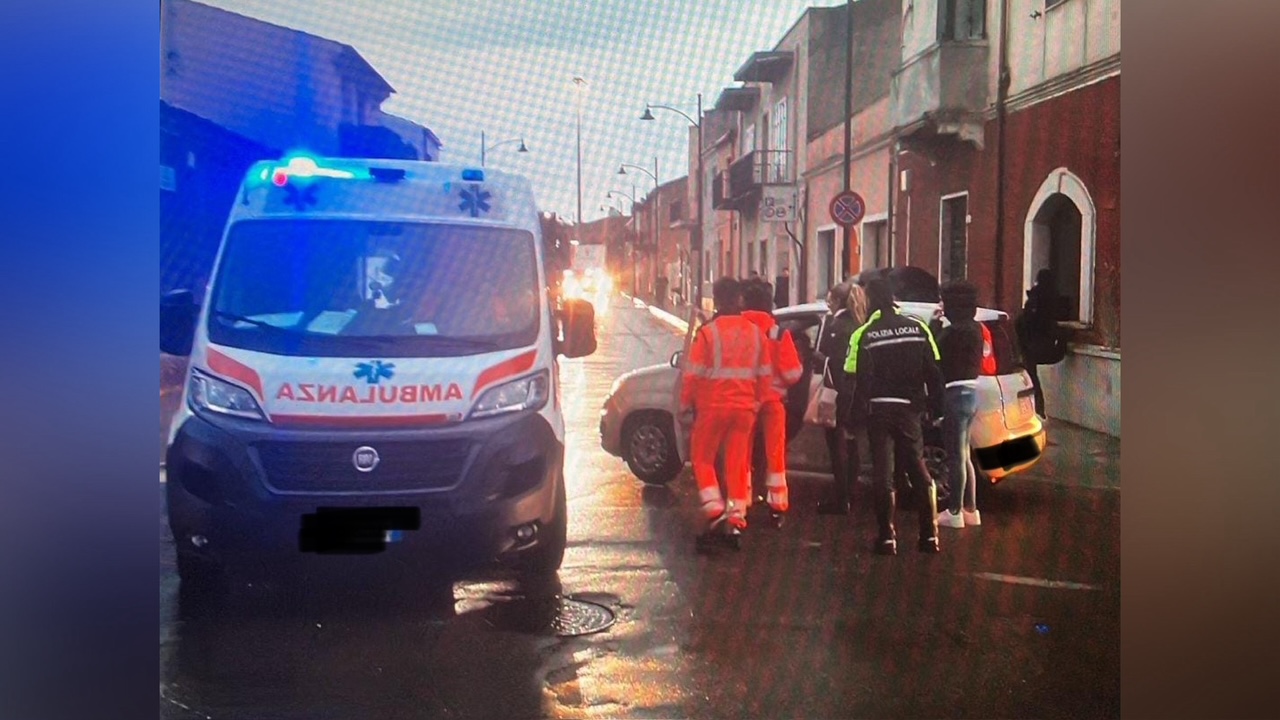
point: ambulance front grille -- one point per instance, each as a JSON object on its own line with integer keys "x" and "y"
{"x": 404, "y": 466}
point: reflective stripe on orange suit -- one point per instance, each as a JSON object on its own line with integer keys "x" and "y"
{"x": 724, "y": 381}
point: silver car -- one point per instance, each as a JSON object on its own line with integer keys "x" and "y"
{"x": 638, "y": 420}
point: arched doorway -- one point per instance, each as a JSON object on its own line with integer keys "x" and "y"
{"x": 1060, "y": 235}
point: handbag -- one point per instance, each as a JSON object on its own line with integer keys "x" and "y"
{"x": 822, "y": 401}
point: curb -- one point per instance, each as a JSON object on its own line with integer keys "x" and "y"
{"x": 660, "y": 314}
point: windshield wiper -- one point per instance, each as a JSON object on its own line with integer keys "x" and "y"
{"x": 252, "y": 321}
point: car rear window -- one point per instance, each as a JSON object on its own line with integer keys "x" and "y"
{"x": 1008, "y": 359}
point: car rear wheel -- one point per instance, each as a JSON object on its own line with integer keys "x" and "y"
{"x": 649, "y": 447}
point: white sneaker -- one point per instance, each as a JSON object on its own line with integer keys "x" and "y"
{"x": 946, "y": 518}
{"x": 971, "y": 517}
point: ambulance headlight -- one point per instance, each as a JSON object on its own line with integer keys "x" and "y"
{"x": 214, "y": 395}
{"x": 527, "y": 393}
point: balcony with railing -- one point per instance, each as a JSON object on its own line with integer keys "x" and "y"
{"x": 749, "y": 173}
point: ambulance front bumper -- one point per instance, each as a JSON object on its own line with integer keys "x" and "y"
{"x": 460, "y": 495}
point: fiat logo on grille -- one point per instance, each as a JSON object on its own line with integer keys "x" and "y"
{"x": 365, "y": 459}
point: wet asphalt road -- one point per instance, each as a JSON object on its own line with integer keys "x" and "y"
{"x": 1018, "y": 618}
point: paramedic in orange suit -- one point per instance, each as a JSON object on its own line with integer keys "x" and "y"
{"x": 724, "y": 382}
{"x": 757, "y": 298}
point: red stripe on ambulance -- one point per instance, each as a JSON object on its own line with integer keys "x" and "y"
{"x": 220, "y": 364}
{"x": 504, "y": 370}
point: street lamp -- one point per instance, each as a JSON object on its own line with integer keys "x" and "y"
{"x": 484, "y": 147}
{"x": 697, "y": 263}
{"x": 579, "y": 83}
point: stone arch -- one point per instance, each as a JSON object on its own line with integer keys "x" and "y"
{"x": 1037, "y": 237}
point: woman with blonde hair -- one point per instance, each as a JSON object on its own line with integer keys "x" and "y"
{"x": 847, "y": 305}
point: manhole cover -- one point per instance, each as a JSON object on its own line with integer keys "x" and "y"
{"x": 579, "y": 617}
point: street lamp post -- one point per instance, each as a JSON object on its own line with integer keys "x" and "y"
{"x": 697, "y": 260}
{"x": 579, "y": 83}
{"x": 484, "y": 147}
{"x": 657, "y": 201}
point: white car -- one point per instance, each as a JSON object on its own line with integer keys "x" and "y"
{"x": 638, "y": 423}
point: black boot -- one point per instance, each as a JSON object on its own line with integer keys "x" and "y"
{"x": 927, "y": 510}
{"x": 777, "y": 517}
{"x": 731, "y": 538}
{"x": 714, "y": 538}
{"x": 886, "y": 538}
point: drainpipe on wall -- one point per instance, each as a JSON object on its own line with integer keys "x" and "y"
{"x": 891, "y": 232}
{"x": 1002, "y": 97}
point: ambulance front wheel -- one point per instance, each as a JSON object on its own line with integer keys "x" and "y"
{"x": 649, "y": 447}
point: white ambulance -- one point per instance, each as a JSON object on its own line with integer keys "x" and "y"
{"x": 373, "y": 369}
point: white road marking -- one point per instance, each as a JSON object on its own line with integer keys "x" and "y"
{"x": 1035, "y": 582}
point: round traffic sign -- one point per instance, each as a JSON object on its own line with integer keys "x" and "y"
{"x": 847, "y": 208}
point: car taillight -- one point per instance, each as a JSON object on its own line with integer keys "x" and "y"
{"x": 988, "y": 353}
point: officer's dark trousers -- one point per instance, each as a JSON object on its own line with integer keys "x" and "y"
{"x": 894, "y": 433}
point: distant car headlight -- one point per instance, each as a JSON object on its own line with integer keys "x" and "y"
{"x": 527, "y": 393}
{"x": 218, "y": 396}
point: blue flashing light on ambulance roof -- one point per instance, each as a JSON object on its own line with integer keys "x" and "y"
{"x": 305, "y": 167}
{"x": 473, "y": 175}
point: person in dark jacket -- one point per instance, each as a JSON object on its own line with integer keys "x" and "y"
{"x": 895, "y": 360}
{"x": 833, "y": 346}
{"x": 1039, "y": 336}
{"x": 960, "y": 347}
{"x": 848, "y": 320}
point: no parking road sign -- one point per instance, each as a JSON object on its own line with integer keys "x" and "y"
{"x": 847, "y": 208}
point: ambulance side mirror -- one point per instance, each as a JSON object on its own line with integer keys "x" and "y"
{"x": 178, "y": 313}
{"x": 578, "y": 329}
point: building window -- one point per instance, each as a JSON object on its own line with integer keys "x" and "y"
{"x": 676, "y": 211}
{"x": 953, "y": 238}
{"x": 875, "y": 245}
{"x": 961, "y": 20}
{"x": 826, "y": 260}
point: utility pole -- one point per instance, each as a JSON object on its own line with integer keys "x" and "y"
{"x": 579, "y": 82}
{"x": 848, "y": 124}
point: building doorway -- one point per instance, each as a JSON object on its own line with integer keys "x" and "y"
{"x": 1060, "y": 234}
{"x": 1059, "y": 228}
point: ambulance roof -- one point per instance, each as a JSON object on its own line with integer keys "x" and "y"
{"x": 310, "y": 187}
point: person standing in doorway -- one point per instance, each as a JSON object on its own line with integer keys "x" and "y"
{"x": 782, "y": 290}
{"x": 961, "y": 346}
{"x": 1039, "y": 335}
{"x": 723, "y": 385}
{"x": 895, "y": 360}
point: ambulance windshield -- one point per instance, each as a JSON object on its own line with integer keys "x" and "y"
{"x": 339, "y": 288}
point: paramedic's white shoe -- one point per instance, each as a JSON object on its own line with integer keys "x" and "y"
{"x": 972, "y": 517}
{"x": 946, "y": 518}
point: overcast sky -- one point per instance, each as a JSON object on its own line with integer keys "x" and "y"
{"x": 506, "y": 67}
